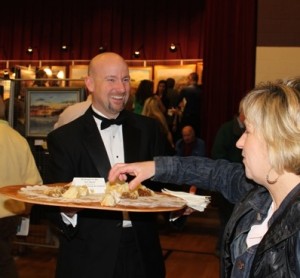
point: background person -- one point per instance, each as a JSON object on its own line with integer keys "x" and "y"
{"x": 152, "y": 109}
{"x": 192, "y": 97}
{"x": 144, "y": 90}
{"x": 17, "y": 168}
{"x": 41, "y": 79}
{"x": 224, "y": 147}
{"x": 261, "y": 238}
{"x": 161, "y": 94}
{"x": 74, "y": 111}
{"x": 173, "y": 114}
{"x": 188, "y": 145}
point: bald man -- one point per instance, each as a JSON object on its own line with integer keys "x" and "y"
{"x": 189, "y": 144}
{"x": 100, "y": 243}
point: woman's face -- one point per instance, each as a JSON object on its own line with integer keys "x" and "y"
{"x": 161, "y": 87}
{"x": 255, "y": 154}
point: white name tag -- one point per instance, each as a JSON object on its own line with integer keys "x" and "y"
{"x": 95, "y": 185}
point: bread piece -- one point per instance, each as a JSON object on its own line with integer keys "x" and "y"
{"x": 83, "y": 190}
{"x": 76, "y": 192}
{"x": 56, "y": 191}
{"x": 108, "y": 200}
{"x": 67, "y": 191}
{"x": 71, "y": 193}
{"x": 122, "y": 191}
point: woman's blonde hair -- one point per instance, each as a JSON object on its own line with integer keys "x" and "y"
{"x": 151, "y": 109}
{"x": 274, "y": 111}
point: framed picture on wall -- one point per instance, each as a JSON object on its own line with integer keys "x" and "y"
{"x": 179, "y": 73}
{"x": 137, "y": 74}
{"x": 78, "y": 73}
{"x": 43, "y": 106}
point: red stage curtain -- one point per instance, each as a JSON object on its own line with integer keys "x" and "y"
{"x": 120, "y": 26}
{"x": 229, "y": 60}
{"x": 222, "y": 32}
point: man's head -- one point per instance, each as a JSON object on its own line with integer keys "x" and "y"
{"x": 193, "y": 78}
{"x": 108, "y": 81}
{"x": 188, "y": 134}
{"x": 170, "y": 82}
{"x": 41, "y": 78}
{"x": 41, "y": 74}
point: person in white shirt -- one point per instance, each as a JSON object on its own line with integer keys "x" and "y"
{"x": 72, "y": 112}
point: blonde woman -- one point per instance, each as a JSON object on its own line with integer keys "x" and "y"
{"x": 152, "y": 109}
{"x": 262, "y": 236}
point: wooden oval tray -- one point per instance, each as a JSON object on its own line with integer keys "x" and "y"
{"x": 34, "y": 194}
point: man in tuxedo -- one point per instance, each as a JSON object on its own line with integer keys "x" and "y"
{"x": 102, "y": 243}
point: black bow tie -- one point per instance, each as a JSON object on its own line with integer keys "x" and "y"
{"x": 108, "y": 122}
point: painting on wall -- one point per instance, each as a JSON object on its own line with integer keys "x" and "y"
{"x": 137, "y": 74}
{"x": 43, "y": 106}
{"x": 77, "y": 73}
{"x": 179, "y": 73}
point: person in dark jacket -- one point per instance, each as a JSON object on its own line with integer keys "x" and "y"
{"x": 192, "y": 96}
{"x": 103, "y": 243}
{"x": 224, "y": 147}
{"x": 262, "y": 237}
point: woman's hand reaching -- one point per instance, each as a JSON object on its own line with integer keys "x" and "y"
{"x": 140, "y": 170}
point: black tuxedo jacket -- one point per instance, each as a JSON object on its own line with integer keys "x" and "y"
{"x": 77, "y": 150}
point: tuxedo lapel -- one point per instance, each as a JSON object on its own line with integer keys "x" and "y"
{"x": 94, "y": 145}
{"x": 131, "y": 138}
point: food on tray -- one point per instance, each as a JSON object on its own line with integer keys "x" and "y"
{"x": 117, "y": 191}
{"x": 112, "y": 195}
{"x": 108, "y": 200}
{"x": 122, "y": 191}
{"x": 76, "y": 192}
{"x": 56, "y": 191}
{"x": 67, "y": 191}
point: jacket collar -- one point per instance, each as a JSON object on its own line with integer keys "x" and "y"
{"x": 95, "y": 146}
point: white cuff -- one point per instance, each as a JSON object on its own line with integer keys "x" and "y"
{"x": 69, "y": 220}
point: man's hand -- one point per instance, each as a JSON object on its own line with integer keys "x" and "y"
{"x": 140, "y": 170}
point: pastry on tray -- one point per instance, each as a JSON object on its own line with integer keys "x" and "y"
{"x": 115, "y": 192}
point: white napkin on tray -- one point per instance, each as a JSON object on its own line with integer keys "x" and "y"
{"x": 197, "y": 202}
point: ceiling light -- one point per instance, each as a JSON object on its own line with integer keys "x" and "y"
{"x": 64, "y": 47}
{"x": 173, "y": 47}
{"x": 102, "y": 49}
{"x": 136, "y": 54}
{"x": 29, "y": 50}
